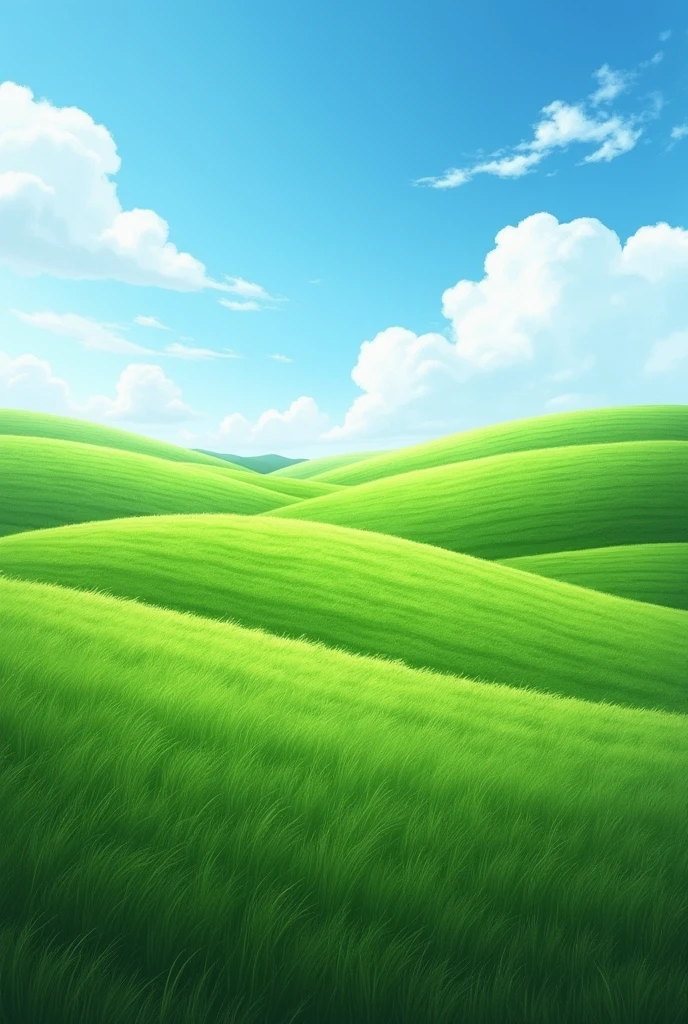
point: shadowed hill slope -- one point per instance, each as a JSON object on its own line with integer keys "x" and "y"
{"x": 62, "y": 428}
{"x": 599, "y": 426}
{"x": 49, "y": 483}
{"x": 657, "y": 573}
{"x": 258, "y": 463}
{"x": 525, "y": 503}
{"x": 284, "y": 819}
{"x": 432, "y": 608}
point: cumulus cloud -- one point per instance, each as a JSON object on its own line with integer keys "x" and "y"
{"x": 143, "y": 394}
{"x": 27, "y": 382}
{"x": 89, "y": 333}
{"x": 561, "y": 125}
{"x": 559, "y": 298}
{"x": 302, "y": 423}
{"x": 59, "y": 209}
{"x": 151, "y": 321}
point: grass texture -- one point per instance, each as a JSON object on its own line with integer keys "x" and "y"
{"x": 49, "y": 483}
{"x": 314, "y": 467}
{"x": 62, "y": 428}
{"x": 208, "y": 824}
{"x": 526, "y": 503}
{"x": 599, "y": 426}
{"x": 433, "y": 608}
{"x": 657, "y": 573}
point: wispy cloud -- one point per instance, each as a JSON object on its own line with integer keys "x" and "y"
{"x": 589, "y": 122}
{"x": 680, "y": 131}
{"x": 249, "y": 306}
{"x": 663, "y": 36}
{"x": 89, "y": 333}
{"x": 151, "y": 321}
{"x": 279, "y": 358}
{"x": 179, "y": 351}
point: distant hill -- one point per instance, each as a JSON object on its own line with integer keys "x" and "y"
{"x": 258, "y": 463}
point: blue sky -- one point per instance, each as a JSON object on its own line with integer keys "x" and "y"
{"x": 338, "y": 177}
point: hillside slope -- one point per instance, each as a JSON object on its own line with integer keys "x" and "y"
{"x": 258, "y": 463}
{"x": 433, "y": 608}
{"x": 316, "y": 467}
{"x": 62, "y": 428}
{"x": 207, "y": 823}
{"x": 525, "y": 503}
{"x": 657, "y": 573}
{"x": 599, "y": 426}
{"x": 49, "y": 483}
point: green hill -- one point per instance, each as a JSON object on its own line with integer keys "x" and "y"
{"x": 643, "y": 572}
{"x": 433, "y": 608}
{"x": 599, "y": 426}
{"x": 258, "y": 463}
{"x": 50, "y": 483}
{"x": 526, "y": 503}
{"x": 315, "y": 467}
{"x": 61, "y": 428}
{"x": 207, "y": 824}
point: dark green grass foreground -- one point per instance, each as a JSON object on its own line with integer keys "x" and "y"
{"x": 234, "y": 822}
{"x": 643, "y": 572}
{"x": 596, "y": 426}
{"x": 373, "y": 594}
{"x": 50, "y": 483}
{"x": 62, "y": 428}
{"x": 525, "y": 503}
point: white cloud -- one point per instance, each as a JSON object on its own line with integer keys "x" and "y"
{"x": 664, "y": 36}
{"x": 302, "y": 423}
{"x": 143, "y": 394}
{"x": 179, "y": 351}
{"x": 89, "y": 333}
{"x": 27, "y": 382}
{"x": 560, "y": 297}
{"x": 247, "y": 289}
{"x": 679, "y": 131}
{"x": 279, "y": 358}
{"x": 667, "y": 353}
{"x": 560, "y": 126}
{"x": 59, "y": 210}
{"x": 151, "y": 321}
{"x": 249, "y": 306}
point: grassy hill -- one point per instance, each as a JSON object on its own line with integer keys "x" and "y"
{"x": 316, "y": 467}
{"x": 258, "y": 463}
{"x": 599, "y": 426}
{"x": 61, "y": 428}
{"x": 207, "y": 824}
{"x": 526, "y": 503}
{"x": 49, "y": 483}
{"x": 433, "y": 608}
{"x": 643, "y": 572}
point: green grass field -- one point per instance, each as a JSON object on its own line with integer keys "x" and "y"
{"x": 297, "y": 749}
{"x": 525, "y": 503}
{"x": 657, "y": 573}
{"x": 434, "y": 608}
{"x": 61, "y": 428}
{"x": 326, "y": 463}
{"x": 50, "y": 483}
{"x": 599, "y": 426}
{"x": 226, "y": 826}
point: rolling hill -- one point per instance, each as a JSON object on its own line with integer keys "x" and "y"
{"x": 315, "y": 467}
{"x": 657, "y": 573}
{"x": 61, "y": 428}
{"x": 434, "y": 608}
{"x": 258, "y": 463}
{"x": 205, "y": 823}
{"x": 50, "y": 483}
{"x": 599, "y": 426}
{"x": 525, "y": 503}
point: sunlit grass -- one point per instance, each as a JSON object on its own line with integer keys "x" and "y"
{"x": 262, "y": 822}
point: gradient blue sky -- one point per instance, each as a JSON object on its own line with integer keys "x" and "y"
{"x": 283, "y": 145}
